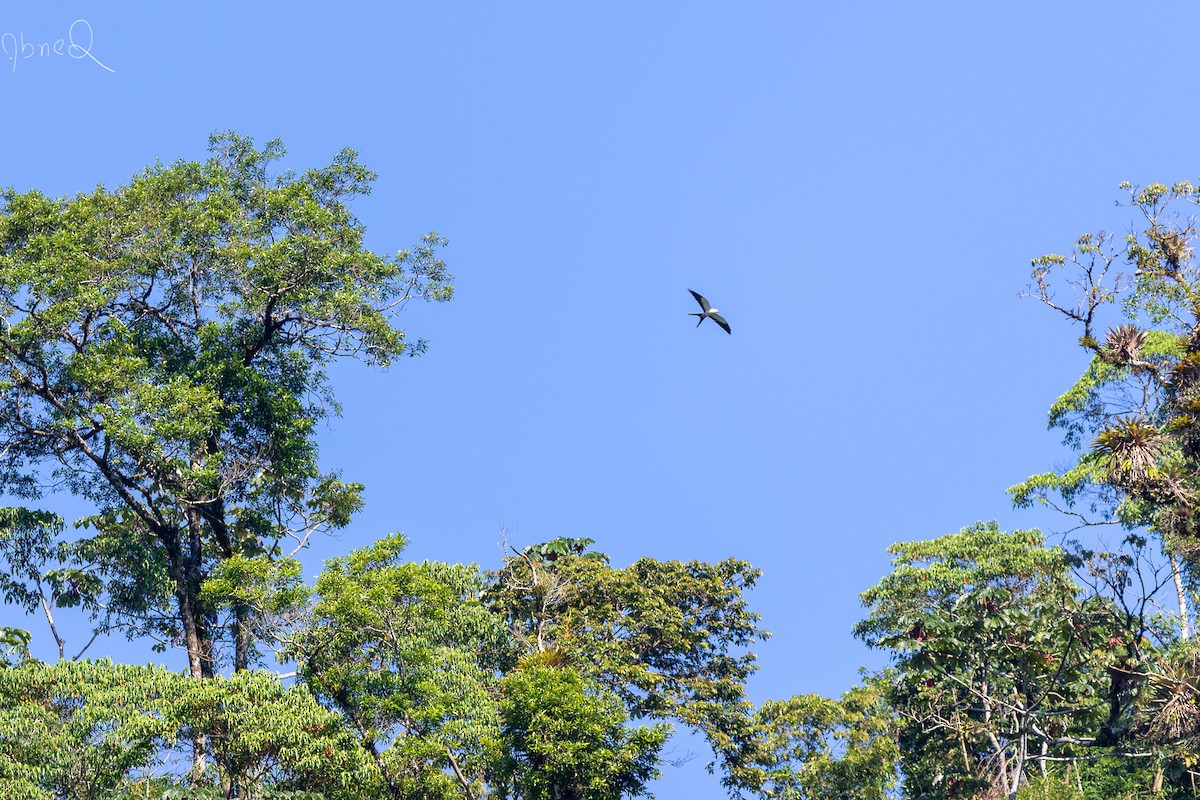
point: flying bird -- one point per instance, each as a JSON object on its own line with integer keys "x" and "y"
{"x": 709, "y": 313}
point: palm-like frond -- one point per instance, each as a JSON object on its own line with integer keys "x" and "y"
{"x": 1132, "y": 445}
{"x": 1123, "y": 345}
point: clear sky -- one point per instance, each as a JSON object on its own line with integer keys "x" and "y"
{"x": 858, "y": 187}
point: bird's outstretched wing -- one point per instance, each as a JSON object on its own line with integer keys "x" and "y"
{"x": 704, "y": 306}
{"x": 717, "y": 318}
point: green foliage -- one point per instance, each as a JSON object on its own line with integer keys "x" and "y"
{"x": 816, "y": 748}
{"x": 937, "y": 575}
{"x": 406, "y": 654}
{"x": 1138, "y": 406}
{"x": 203, "y": 793}
{"x": 14, "y": 645}
{"x": 440, "y": 680}
{"x": 27, "y": 545}
{"x": 78, "y": 729}
{"x": 560, "y": 547}
{"x": 1133, "y": 778}
{"x": 565, "y": 737}
{"x": 1078, "y": 409}
{"x": 1087, "y": 478}
{"x": 164, "y": 354}
{"x": 412, "y": 686}
{"x": 1138, "y": 401}
{"x": 272, "y": 589}
{"x": 28, "y": 550}
{"x": 1107, "y": 779}
{"x": 667, "y": 637}
{"x": 264, "y": 736}
{"x": 1051, "y": 787}
{"x": 994, "y": 656}
{"x": 89, "y": 728}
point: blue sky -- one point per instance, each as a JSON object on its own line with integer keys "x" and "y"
{"x": 858, "y": 187}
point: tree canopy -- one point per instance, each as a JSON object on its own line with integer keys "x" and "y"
{"x": 164, "y": 357}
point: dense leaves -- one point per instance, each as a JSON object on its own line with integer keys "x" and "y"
{"x": 405, "y": 653}
{"x": 88, "y": 728}
{"x": 565, "y": 739}
{"x": 668, "y": 638}
{"x": 998, "y": 663}
{"x": 816, "y": 748}
{"x": 163, "y": 355}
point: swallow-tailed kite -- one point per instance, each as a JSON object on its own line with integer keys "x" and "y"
{"x": 709, "y": 313}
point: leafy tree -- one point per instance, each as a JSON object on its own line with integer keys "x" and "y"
{"x": 524, "y": 684}
{"x": 406, "y": 654}
{"x": 1132, "y": 416}
{"x": 86, "y": 730}
{"x": 14, "y": 645}
{"x": 163, "y": 355}
{"x": 1133, "y": 413}
{"x": 77, "y": 729}
{"x": 668, "y": 638}
{"x": 565, "y": 738}
{"x": 1051, "y": 787}
{"x": 817, "y": 748}
{"x": 37, "y": 579}
{"x": 998, "y": 663}
{"x": 265, "y": 738}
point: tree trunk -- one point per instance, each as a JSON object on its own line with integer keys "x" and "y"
{"x": 185, "y": 576}
{"x": 185, "y": 570}
{"x": 368, "y": 744}
{"x": 1019, "y": 767}
{"x": 995, "y": 742}
{"x": 213, "y": 515}
{"x": 1185, "y": 628}
{"x": 193, "y": 578}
